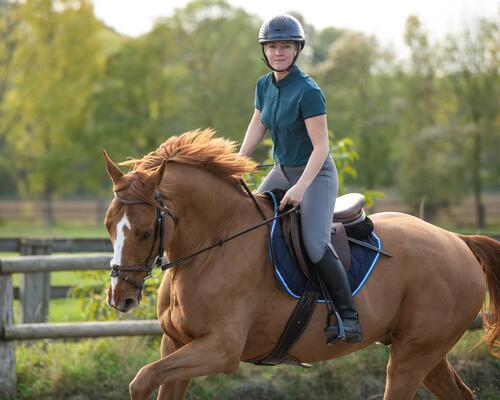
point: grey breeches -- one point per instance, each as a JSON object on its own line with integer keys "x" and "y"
{"x": 317, "y": 205}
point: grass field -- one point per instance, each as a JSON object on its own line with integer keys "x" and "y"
{"x": 81, "y": 229}
{"x": 102, "y": 369}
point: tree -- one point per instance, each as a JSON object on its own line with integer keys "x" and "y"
{"x": 8, "y": 43}
{"x": 474, "y": 68}
{"x": 56, "y": 65}
{"x": 430, "y": 166}
{"x": 322, "y": 43}
{"x": 222, "y": 65}
{"x": 195, "y": 69}
{"x": 358, "y": 88}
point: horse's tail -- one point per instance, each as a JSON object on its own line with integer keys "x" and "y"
{"x": 487, "y": 251}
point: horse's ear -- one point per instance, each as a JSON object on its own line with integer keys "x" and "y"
{"x": 159, "y": 173}
{"x": 113, "y": 171}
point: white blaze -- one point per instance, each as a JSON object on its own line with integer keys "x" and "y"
{"x": 118, "y": 248}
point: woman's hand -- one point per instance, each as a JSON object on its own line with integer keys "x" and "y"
{"x": 293, "y": 196}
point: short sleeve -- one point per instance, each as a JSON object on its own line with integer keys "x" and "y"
{"x": 256, "y": 102}
{"x": 313, "y": 103}
{"x": 258, "y": 92}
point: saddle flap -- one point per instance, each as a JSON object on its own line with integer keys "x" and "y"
{"x": 340, "y": 244}
{"x": 349, "y": 208}
{"x": 293, "y": 239}
{"x": 297, "y": 246}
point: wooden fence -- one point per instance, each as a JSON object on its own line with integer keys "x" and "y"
{"x": 34, "y": 294}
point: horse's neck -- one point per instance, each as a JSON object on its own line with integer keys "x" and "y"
{"x": 205, "y": 206}
{"x": 209, "y": 209}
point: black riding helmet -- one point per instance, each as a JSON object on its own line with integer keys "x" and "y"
{"x": 282, "y": 28}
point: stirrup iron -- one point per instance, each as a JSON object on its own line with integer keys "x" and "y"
{"x": 341, "y": 336}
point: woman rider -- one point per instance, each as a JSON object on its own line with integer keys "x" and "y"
{"x": 292, "y": 106}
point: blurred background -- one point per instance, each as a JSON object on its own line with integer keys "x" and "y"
{"x": 417, "y": 96}
{"x": 413, "y": 97}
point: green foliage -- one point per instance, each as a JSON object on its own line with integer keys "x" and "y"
{"x": 344, "y": 156}
{"x": 91, "y": 293}
{"x": 442, "y": 155}
{"x": 360, "y": 94}
{"x": 427, "y": 126}
{"x": 89, "y": 368}
{"x": 45, "y": 105}
{"x": 103, "y": 368}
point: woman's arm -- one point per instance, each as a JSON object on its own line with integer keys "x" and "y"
{"x": 255, "y": 132}
{"x": 318, "y": 133}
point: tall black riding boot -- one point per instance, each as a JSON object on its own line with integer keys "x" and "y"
{"x": 333, "y": 274}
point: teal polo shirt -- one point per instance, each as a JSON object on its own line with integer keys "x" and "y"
{"x": 283, "y": 106}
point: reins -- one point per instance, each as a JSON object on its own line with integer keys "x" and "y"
{"x": 221, "y": 242}
{"x": 117, "y": 271}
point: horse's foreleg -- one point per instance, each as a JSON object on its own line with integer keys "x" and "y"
{"x": 203, "y": 356}
{"x": 175, "y": 390}
{"x": 445, "y": 383}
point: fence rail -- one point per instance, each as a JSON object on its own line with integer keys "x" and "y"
{"x": 81, "y": 330}
{"x": 99, "y": 245}
{"x": 50, "y": 263}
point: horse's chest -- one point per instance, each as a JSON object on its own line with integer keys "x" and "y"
{"x": 184, "y": 322}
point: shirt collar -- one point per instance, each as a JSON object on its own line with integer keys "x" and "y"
{"x": 292, "y": 75}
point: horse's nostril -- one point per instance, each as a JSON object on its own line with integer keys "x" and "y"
{"x": 129, "y": 303}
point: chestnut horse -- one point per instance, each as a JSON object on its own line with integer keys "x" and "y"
{"x": 224, "y": 306}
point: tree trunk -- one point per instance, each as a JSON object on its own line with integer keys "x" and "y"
{"x": 49, "y": 210}
{"x": 477, "y": 182}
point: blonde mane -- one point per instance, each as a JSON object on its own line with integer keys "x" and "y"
{"x": 198, "y": 148}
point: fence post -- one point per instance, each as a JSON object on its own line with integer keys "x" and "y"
{"x": 34, "y": 288}
{"x": 7, "y": 348}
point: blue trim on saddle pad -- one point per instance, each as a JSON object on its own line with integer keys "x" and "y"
{"x": 292, "y": 278}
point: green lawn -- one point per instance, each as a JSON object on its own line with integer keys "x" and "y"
{"x": 103, "y": 368}
{"x": 39, "y": 230}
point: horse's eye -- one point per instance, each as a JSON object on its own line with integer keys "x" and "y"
{"x": 146, "y": 235}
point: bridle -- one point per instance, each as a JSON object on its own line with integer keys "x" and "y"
{"x": 119, "y": 271}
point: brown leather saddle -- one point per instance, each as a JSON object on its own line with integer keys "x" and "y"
{"x": 348, "y": 212}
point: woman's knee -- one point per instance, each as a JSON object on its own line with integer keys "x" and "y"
{"x": 315, "y": 249}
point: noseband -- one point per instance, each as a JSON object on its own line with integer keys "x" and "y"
{"x": 119, "y": 271}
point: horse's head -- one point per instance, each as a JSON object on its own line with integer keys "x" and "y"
{"x": 135, "y": 221}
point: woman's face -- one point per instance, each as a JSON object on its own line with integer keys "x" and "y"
{"x": 280, "y": 54}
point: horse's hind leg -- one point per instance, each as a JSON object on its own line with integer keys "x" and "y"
{"x": 409, "y": 363}
{"x": 445, "y": 383}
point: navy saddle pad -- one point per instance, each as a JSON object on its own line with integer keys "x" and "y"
{"x": 291, "y": 277}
